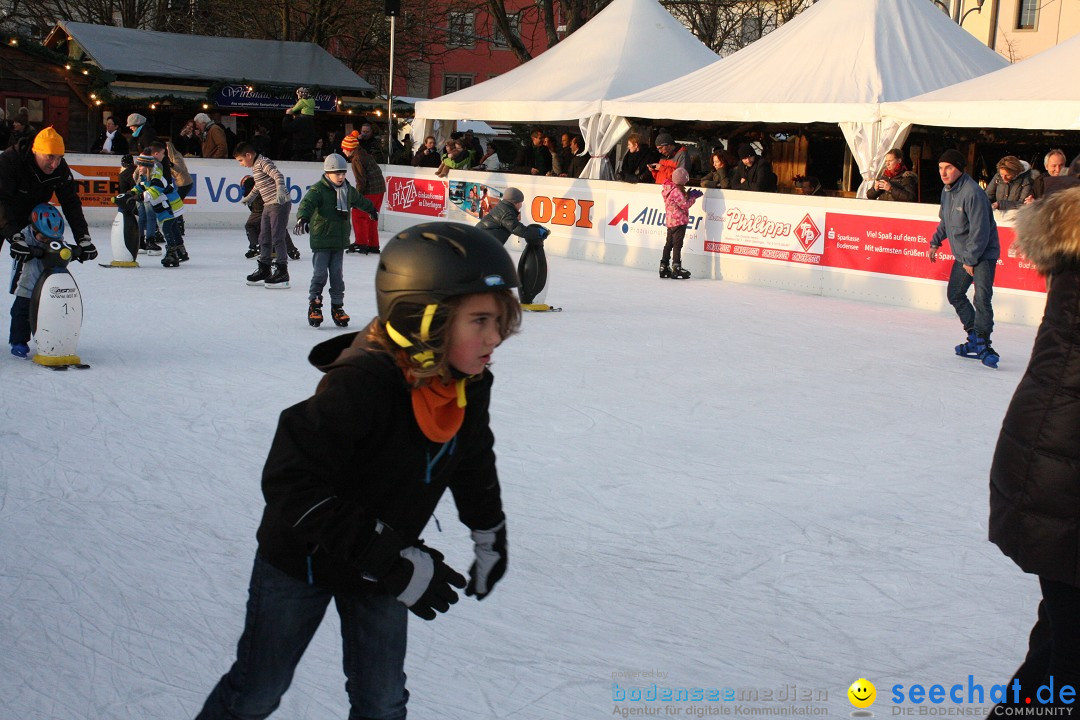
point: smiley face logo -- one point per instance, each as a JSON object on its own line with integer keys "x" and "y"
{"x": 862, "y": 693}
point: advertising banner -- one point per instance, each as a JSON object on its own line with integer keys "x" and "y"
{"x": 639, "y": 220}
{"x": 901, "y": 246}
{"x": 416, "y": 196}
{"x": 238, "y": 96}
{"x": 789, "y": 233}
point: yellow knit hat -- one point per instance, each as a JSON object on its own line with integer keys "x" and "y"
{"x": 49, "y": 142}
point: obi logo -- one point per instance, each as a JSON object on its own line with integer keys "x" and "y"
{"x": 807, "y": 233}
{"x": 650, "y": 216}
{"x": 562, "y": 211}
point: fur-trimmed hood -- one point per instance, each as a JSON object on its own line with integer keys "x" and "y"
{"x": 1048, "y": 232}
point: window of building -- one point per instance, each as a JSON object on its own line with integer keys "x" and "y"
{"x": 1028, "y": 15}
{"x": 461, "y": 31}
{"x": 455, "y": 82}
{"x": 751, "y": 29}
{"x": 35, "y": 108}
{"x": 499, "y": 40}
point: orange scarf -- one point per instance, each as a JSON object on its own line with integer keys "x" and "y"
{"x": 439, "y": 408}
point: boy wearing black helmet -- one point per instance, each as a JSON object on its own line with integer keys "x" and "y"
{"x": 355, "y": 473}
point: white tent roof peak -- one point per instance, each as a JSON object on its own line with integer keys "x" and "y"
{"x": 628, "y": 46}
{"x": 834, "y": 62}
{"x": 1032, "y": 94}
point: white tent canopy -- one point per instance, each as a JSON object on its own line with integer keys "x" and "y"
{"x": 1033, "y": 94}
{"x": 834, "y": 62}
{"x": 628, "y": 46}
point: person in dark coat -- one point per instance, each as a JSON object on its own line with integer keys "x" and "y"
{"x": 111, "y": 140}
{"x": 754, "y": 172}
{"x": 142, "y": 134}
{"x": 504, "y": 219}
{"x": 1011, "y": 187}
{"x": 356, "y": 471}
{"x": 428, "y": 154}
{"x": 30, "y": 174}
{"x": 1035, "y": 476}
{"x": 895, "y": 182}
{"x": 635, "y": 163}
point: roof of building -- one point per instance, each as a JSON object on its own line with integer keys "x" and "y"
{"x": 161, "y": 55}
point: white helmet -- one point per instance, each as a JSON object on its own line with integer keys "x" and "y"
{"x": 302, "y": 93}
{"x": 334, "y": 163}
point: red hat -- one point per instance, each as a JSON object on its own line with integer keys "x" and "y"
{"x": 351, "y": 141}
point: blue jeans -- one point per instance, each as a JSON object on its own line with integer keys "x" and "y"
{"x": 327, "y": 263}
{"x": 980, "y": 316}
{"x": 147, "y": 220}
{"x": 283, "y": 614}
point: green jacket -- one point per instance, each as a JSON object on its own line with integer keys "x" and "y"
{"x": 331, "y": 229}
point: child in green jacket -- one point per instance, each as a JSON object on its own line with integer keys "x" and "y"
{"x": 325, "y": 212}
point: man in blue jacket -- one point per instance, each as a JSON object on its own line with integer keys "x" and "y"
{"x": 967, "y": 220}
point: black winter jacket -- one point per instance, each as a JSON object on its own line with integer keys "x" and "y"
{"x": 503, "y": 220}
{"x": 352, "y": 454}
{"x": 23, "y": 186}
{"x": 635, "y": 165}
{"x": 1035, "y": 476}
{"x": 759, "y": 176}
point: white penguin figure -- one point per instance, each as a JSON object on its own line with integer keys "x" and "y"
{"x": 55, "y": 303}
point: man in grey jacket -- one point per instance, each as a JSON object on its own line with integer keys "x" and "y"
{"x": 968, "y": 222}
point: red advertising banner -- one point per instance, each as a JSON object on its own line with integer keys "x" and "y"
{"x": 416, "y": 196}
{"x": 901, "y": 246}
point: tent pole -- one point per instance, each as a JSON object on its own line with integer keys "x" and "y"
{"x": 390, "y": 98}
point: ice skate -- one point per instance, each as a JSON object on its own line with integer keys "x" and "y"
{"x": 341, "y": 319}
{"x": 20, "y": 349}
{"x": 152, "y": 247}
{"x": 262, "y": 272}
{"x": 294, "y": 254}
{"x": 678, "y": 273}
{"x": 665, "y": 270}
{"x": 314, "y": 313}
{"x": 252, "y": 252}
{"x": 970, "y": 348}
{"x": 172, "y": 258}
{"x": 181, "y": 252}
{"x": 279, "y": 280}
{"x": 988, "y": 354}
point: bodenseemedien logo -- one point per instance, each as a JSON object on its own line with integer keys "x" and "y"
{"x": 862, "y": 695}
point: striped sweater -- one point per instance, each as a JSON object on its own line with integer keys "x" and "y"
{"x": 268, "y": 179}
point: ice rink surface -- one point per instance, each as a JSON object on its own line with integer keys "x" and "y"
{"x": 733, "y": 486}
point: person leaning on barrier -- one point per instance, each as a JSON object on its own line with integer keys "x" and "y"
{"x": 635, "y": 163}
{"x": 1011, "y": 186}
{"x": 895, "y": 182}
{"x": 1054, "y": 164}
{"x": 754, "y": 173}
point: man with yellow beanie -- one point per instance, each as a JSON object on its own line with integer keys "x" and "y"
{"x": 30, "y": 175}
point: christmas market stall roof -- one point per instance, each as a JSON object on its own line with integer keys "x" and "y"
{"x": 127, "y": 52}
{"x": 1032, "y": 94}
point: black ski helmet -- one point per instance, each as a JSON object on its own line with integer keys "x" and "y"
{"x": 427, "y": 263}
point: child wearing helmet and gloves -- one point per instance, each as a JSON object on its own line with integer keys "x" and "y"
{"x": 355, "y": 473}
{"x": 46, "y": 224}
{"x": 325, "y": 212}
{"x": 504, "y": 219}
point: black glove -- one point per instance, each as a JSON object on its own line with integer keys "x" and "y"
{"x": 374, "y": 216}
{"x": 490, "y": 564}
{"x": 301, "y": 227}
{"x": 421, "y": 581}
{"x": 18, "y": 248}
{"x": 87, "y": 251}
{"x": 933, "y": 253}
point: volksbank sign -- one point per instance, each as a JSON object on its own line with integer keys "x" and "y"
{"x": 238, "y": 96}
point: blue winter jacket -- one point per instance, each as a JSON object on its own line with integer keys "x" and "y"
{"x": 967, "y": 220}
